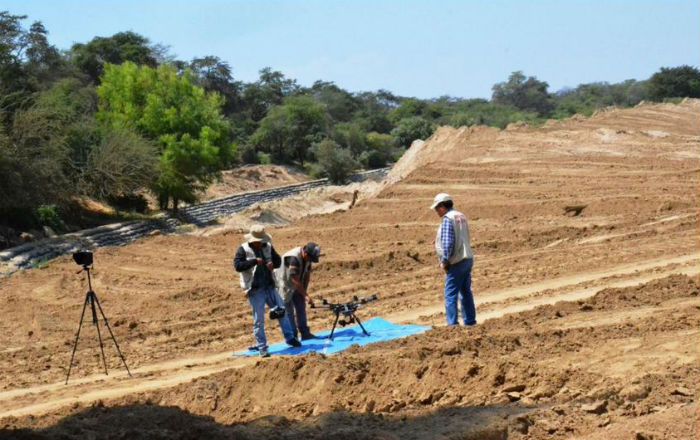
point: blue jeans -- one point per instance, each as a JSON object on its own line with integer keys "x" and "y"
{"x": 458, "y": 285}
{"x": 298, "y": 322}
{"x": 257, "y": 299}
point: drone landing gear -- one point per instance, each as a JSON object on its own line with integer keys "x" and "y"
{"x": 350, "y": 318}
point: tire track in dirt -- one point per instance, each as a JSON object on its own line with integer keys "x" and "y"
{"x": 45, "y": 398}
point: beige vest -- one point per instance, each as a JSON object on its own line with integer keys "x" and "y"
{"x": 248, "y": 275}
{"x": 461, "y": 249}
{"x": 284, "y": 278}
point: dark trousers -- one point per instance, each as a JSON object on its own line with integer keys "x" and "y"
{"x": 297, "y": 306}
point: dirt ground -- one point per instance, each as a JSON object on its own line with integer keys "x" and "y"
{"x": 589, "y": 323}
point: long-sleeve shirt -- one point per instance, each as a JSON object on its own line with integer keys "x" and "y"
{"x": 263, "y": 276}
{"x": 447, "y": 239}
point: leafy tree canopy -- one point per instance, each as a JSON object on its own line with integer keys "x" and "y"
{"x": 340, "y": 104}
{"x": 410, "y": 129}
{"x": 184, "y": 121}
{"x": 407, "y": 107}
{"x": 214, "y": 75}
{"x": 119, "y": 48}
{"x": 525, "y": 93}
{"x": 675, "y": 82}
{"x": 335, "y": 162}
{"x": 289, "y": 130}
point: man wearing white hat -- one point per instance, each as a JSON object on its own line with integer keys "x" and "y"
{"x": 456, "y": 260}
{"x": 254, "y": 261}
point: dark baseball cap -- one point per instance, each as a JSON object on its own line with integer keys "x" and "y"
{"x": 313, "y": 251}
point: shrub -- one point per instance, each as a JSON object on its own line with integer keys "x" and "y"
{"x": 335, "y": 162}
{"x": 47, "y": 215}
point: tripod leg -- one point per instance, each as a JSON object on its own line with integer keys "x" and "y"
{"x": 97, "y": 326}
{"x": 361, "y": 326}
{"x": 337, "y": 316}
{"x": 112, "y": 335}
{"x": 75, "y": 344}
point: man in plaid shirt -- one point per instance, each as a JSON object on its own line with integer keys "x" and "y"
{"x": 456, "y": 260}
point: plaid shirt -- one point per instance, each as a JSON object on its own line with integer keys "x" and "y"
{"x": 447, "y": 239}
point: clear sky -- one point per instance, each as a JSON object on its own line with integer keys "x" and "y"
{"x": 412, "y": 48}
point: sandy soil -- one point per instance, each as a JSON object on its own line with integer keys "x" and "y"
{"x": 616, "y": 360}
{"x": 253, "y": 177}
{"x": 283, "y": 212}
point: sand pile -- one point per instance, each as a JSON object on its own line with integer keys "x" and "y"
{"x": 445, "y": 144}
{"x": 253, "y": 177}
{"x": 463, "y": 144}
{"x": 283, "y": 212}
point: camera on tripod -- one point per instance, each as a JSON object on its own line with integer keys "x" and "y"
{"x": 83, "y": 258}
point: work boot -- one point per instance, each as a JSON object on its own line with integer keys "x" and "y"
{"x": 307, "y": 336}
{"x": 294, "y": 342}
{"x": 264, "y": 353}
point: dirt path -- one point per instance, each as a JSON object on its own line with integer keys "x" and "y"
{"x": 491, "y": 304}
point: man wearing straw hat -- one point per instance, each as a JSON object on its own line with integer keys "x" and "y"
{"x": 456, "y": 260}
{"x": 254, "y": 261}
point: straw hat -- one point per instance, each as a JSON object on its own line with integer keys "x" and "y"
{"x": 257, "y": 233}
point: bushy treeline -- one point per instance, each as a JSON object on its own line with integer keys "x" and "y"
{"x": 118, "y": 115}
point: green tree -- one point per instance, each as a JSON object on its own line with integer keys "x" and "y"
{"x": 214, "y": 75}
{"x": 374, "y": 108}
{"x": 52, "y": 139}
{"x": 119, "y": 48}
{"x": 675, "y": 82}
{"x": 336, "y": 163}
{"x": 586, "y": 98}
{"x": 525, "y": 93}
{"x": 379, "y": 150}
{"x": 407, "y": 107}
{"x": 28, "y": 63}
{"x": 289, "y": 130}
{"x": 350, "y": 135}
{"x": 410, "y": 129}
{"x": 270, "y": 89}
{"x": 339, "y": 104}
{"x": 182, "y": 119}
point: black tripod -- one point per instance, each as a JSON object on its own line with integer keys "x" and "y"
{"x": 91, "y": 298}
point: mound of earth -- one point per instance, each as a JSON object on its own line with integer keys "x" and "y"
{"x": 253, "y": 177}
{"x": 534, "y": 374}
{"x": 283, "y": 212}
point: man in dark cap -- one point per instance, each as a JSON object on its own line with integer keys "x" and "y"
{"x": 293, "y": 278}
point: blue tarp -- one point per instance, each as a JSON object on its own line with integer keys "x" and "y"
{"x": 379, "y": 329}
